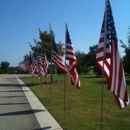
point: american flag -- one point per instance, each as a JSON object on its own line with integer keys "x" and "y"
{"x": 45, "y": 63}
{"x": 70, "y": 55}
{"x": 22, "y": 66}
{"x": 57, "y": 58}
{"x": 35, "y": 62}
{"x": 31, "y": 69}
{"x": 40, "y": 67}
{"x": 109, "y": 61}
{"x": 26, "y": 62}
{"x": 37, "y": 65}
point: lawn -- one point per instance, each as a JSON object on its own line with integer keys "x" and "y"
{"x": 82, "y": 106}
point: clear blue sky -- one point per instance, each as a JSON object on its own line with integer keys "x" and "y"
{"x": 20, "y": 20}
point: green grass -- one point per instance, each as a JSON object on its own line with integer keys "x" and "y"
{"x": 82, "y": 107}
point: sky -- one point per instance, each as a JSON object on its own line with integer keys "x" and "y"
{"x": 20, "y": 20}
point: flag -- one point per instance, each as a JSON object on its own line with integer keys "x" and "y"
{"x": 31, "y": 69}
{"x": 26, "y": 62}
{"x": 40, "y": 67}
{"x": 109, "y": 61}
{"x": 70, "y": 55}
{"x": 57, "y": 58}
{"x": 45, "y": 63}
{"x": 22, "y": 66}
{"x": 37, "y": 65}
{"x": 35, "y": 62}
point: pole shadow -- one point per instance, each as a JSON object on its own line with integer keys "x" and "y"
{"x": 13, "y": 103}
{"x": 9, "y": 85}
{"x": 11, "y": 96}
{"x": 16, "y": 91}
{"x": 21, "y": 112}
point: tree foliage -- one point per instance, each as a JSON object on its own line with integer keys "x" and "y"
{"x": 46, "y": 40}
{"x": 126, "y": 58}
{"x": 90, "y": 57}
{"x": 82, "y": 68}
{"x": 87, "y": 61}
{"x": 5, "y": 66}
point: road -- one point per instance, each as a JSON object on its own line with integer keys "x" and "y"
{"x": 15, "y": 110}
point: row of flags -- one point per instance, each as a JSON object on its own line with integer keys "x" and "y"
{"x": 108, "y": 60}
{"x": 36, "y": 63}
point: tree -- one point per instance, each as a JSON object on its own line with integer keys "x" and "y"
{"x": 5, "y": 66}
{"x": 45, "y": 39}
{"x": 61, "y": 48}
{"x": 82, "y": 67}
{"x": 126, "y": 58}
{"x": 90, "y": 59}
{"x": 86, "y": 61}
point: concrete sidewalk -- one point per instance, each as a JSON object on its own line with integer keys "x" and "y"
{"x": 20, "y": 109}
{"x": 46, "y": 121}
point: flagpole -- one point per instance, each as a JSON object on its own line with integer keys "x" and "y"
{"x": 38, "y": 65}
{"x": 104, "y": 50}
{"x": 65, "y": 83}
{"x": 51, "y": 67}
{"x": 41, "y": 74}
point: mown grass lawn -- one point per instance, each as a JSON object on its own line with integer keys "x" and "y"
{"x": 82, "y": 106}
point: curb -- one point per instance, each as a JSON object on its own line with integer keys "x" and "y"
{"x": 44, "y": 118}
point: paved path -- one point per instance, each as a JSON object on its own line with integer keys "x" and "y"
{"x": 20, "y": 109}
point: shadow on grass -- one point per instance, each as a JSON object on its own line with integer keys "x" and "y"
{"x": 100, "y": 82}
{"x": 44, "y": 128}
{"x": 127, "y": 82}
{"x": 105, "y": 82}
{"x": 43, "y": 83}
{"x": 89, "y": 77}
{"x": 32, "y": 84}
